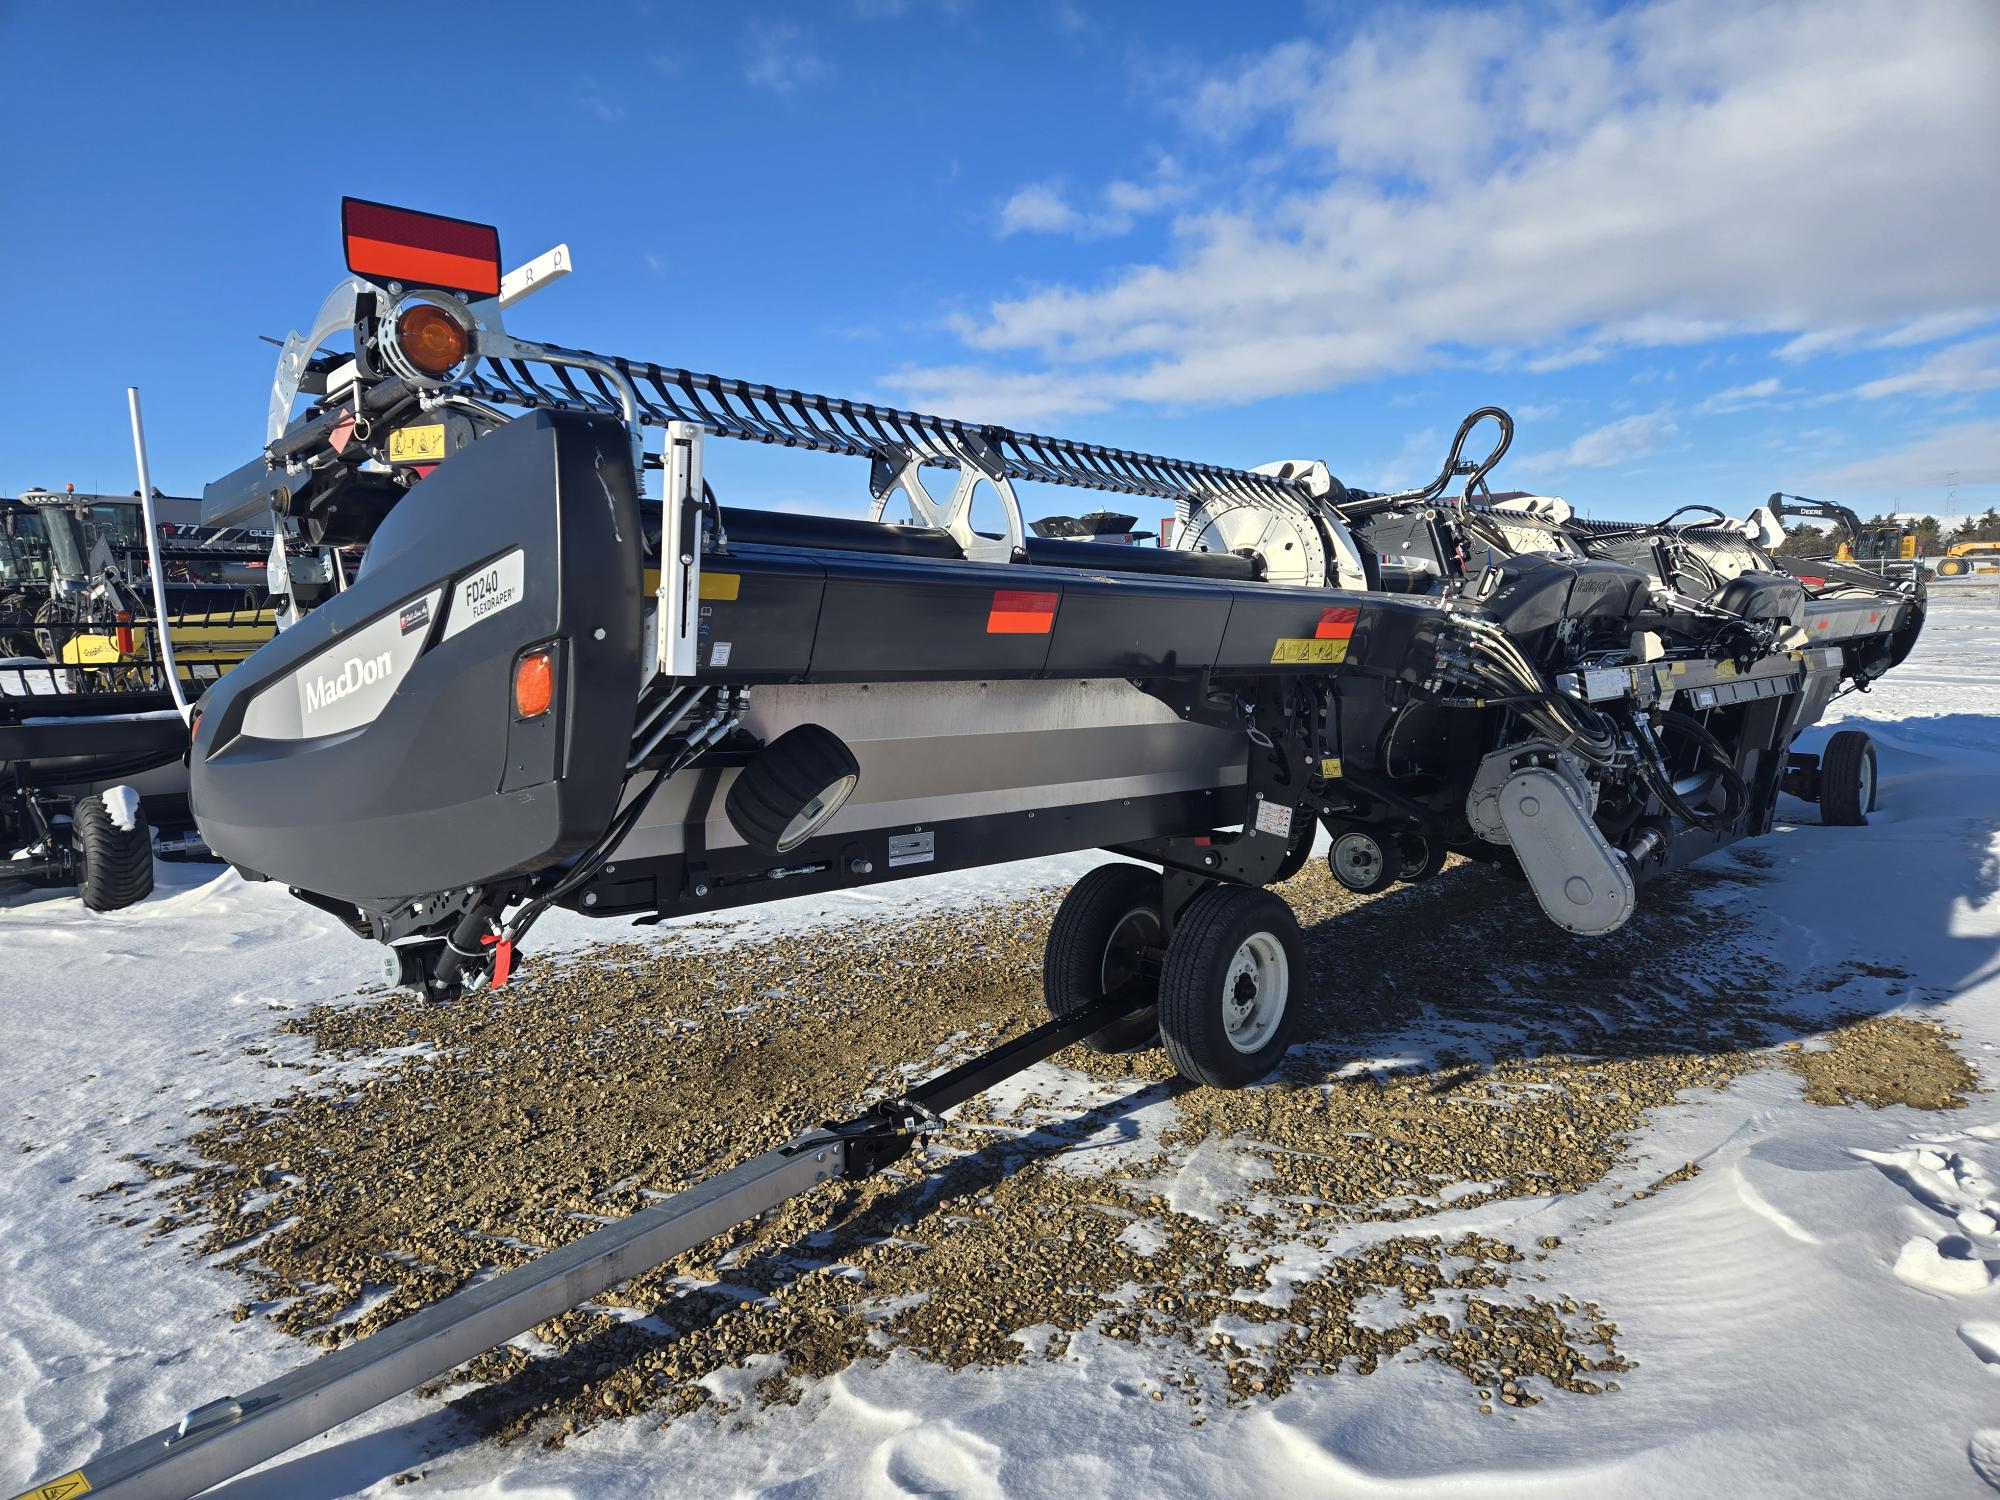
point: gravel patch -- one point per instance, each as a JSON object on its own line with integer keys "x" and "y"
{"x": 1461, "y": 1051}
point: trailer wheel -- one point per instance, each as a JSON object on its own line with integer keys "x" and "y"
{"x": 1360, "y": 863}
{"x": 1229, "y": 991}
{"x": 1847, "y": 779}
{"x": 1422, "y": 858}
{"x": 114, "y": 865}
{"x": 798, "y": 781}
{"x": 1105, "y": 933}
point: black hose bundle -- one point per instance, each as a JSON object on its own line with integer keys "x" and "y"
{"x": 1653, "y": 766}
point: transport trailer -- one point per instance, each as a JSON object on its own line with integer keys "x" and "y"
{"x": 548, "y": 686}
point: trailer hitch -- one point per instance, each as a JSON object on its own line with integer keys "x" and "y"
{"x": 226, "y": 1436}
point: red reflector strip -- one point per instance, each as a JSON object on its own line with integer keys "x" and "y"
{"x": 394, "y": 244}
{"x": 1812, "y": 583}
{"x": 1017, "y": 613}
{"x": 1336, "y": 624}
{"x": 380, "y": 261}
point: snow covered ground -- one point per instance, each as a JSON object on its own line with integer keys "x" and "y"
{"x": 1815, "y": 1313}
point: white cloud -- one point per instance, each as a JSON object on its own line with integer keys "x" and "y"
{"x": 1543, "y": 186}
{"x": 1071, "y": 20}
{"x": 1971, "y": 366}
{"x": 1416, "y": 462}
{"x": 1924, "y": 330}
{"x": 979, "y": 394}
{"x": 1607, "y": 446}
{"x": 1742, "y": 397}
{"x": 1038, "y": 208}
{"x": 1045, "y": 208}
{"x": 1966, "y": 453}
{"x": 782, "y": 57}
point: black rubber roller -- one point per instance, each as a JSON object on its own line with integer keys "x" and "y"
{"x": 797, "y": 783}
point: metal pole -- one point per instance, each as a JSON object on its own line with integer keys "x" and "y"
{"x": 161, "y": 631}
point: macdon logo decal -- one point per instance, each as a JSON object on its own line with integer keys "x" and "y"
{"x": 355, "y": 673}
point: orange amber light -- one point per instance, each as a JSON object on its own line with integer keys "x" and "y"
{"x": 431, "y": 337}
{"x": 534, "y": 684}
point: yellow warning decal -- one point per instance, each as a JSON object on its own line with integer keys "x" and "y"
{"x": 1293, "y": 650}
{"x": 1725, "y": 669}
{"x": 721, "y": 585}
{"x": 1329, "y": 769}
{"x": 58, "y": 1489}
{"x": 417, "y": 445}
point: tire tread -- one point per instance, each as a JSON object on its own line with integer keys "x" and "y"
{"x": 116, "y": 863}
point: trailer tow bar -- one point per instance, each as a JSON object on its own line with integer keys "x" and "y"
{"x": 225, "y": 1437}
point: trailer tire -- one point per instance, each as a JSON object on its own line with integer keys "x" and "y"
{"x": 1360, "y": 861}
{"x": 114, "y": 866}
{"x": 1847, "y": 779}
{"x": 1231, "y": 988}
{"x": 794, "y": 785}
{"x": 1422, "y": 858}
{"x": 1096, "y": 943}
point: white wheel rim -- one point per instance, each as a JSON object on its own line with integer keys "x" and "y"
{"x": 1867, "y": 791}
{"x": 816, "y": 812}
{"x": 1357, "y": 859}
{"x": 1255, "y": 988}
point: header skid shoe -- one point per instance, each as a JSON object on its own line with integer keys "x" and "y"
{"x": 377, "y": 751}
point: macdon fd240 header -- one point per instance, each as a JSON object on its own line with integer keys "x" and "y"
{"x": 568, "y": 675}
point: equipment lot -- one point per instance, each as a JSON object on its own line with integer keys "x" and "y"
{"x": 1474, "y": 1180}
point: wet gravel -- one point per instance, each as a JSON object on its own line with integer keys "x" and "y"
{"x": 1460, "y": 1049}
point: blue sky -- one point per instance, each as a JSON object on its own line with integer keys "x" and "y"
{"x": 1703, "y": 250}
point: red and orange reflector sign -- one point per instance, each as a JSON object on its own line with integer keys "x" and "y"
{"x": 398, "y": 244}
{"x": 534, "y": 683}
{"x": 1015, "y": 612}
{"x": 1336, "y": 624}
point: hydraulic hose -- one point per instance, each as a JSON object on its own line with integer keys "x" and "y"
{"x": 1653, "y": 766}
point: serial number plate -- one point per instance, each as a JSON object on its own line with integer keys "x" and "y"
{"x": 417, "y": 445}
{"x": 912, "y": 848}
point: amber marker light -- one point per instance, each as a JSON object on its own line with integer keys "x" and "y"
{"x": 534, "y": 683}
{"x": 431, "y": 338}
